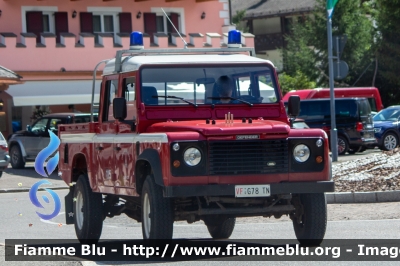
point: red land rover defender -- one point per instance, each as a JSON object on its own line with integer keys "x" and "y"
{"x": 194, "y": 134}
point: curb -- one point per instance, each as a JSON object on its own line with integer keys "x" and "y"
{"x": 13, "y": 190}
{"x": 363, "y": 197}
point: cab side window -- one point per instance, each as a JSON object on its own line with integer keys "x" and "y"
{"x": 110, "y": 93}
{"x": 129, "y": 94}
{"x": 40, "y": 126}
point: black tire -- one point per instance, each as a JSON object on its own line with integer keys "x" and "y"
{"x": 363, "y": 149}
{"x": 88, "y": 212}
{"x": 220, "y": 227}
{"x": 17, "y": 162}
{"x": 390, "y": 141}
{"x": 343, "y": 145}
{"x": 157, "y": 212}
{"x": 310, "y": 230}
{"x": 1, "y": 173}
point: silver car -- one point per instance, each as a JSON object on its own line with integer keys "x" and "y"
{"x": 26, "y": 144}
{"x": 4, "y": 158}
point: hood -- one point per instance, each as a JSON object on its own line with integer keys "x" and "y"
{"x": 222, "y": 128}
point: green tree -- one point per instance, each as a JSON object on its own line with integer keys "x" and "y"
{"x": 239, "y": 22}
{"x": 307, "y": 45}
{"x": 388, "y": 22}
{"x": 297, "y": 82}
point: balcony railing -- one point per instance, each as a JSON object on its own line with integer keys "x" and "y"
{"x": 272, "y": 41}
{"x": 82, "y": 52}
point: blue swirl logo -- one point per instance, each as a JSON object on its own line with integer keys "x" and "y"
{"x": 39, "y": 168}
{"x": 45, "y": 153}
{"x": 33, "y": 197}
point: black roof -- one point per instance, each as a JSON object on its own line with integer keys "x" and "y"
{"x": 271, "y": 8}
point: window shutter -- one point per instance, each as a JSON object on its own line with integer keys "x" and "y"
{"x": 86, "y": 20}
{"x": 125, "y": 22}
{"x": 175, "y": 20}
{"x": 34, "y": 23}
{"x": 150, "y": 24}
{"x": 61, "y": 20}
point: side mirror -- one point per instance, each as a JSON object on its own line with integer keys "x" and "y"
{"x": 28, "y": 128}
{"x": 119, "y": 108}
{"x": 294, "y": 105}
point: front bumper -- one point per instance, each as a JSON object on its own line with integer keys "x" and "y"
{"x": 229, "y": 190}
{"x": 4, "y": 163}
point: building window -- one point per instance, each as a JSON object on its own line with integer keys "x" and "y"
{"x": 156, "y": 22}
{"x": 105, "y": 20}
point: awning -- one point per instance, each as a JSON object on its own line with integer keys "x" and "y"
{"x": 33, "y": 93}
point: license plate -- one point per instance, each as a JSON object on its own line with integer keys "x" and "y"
{"x": 252, "y": 191}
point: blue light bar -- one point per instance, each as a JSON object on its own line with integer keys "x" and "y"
{"x": 234, "y": 39}
{"x": 136, "y": 40}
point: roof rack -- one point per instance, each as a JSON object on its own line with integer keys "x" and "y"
{"x": 133, "y": 52}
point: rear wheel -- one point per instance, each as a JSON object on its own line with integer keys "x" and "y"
{"x": 343, "y": 145}
{"x": 157, "y": 212}
{"x": 88, "y": 212}
{"x": 17, "y": 162}
{"x": 309, "y": 221}
{"x": 390, "y": 142}
{"x": 220, "y": 227}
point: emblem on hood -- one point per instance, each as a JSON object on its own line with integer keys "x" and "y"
{"x": 244, "y": 137}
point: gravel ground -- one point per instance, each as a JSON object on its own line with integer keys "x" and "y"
{"x": 378, "y": 172}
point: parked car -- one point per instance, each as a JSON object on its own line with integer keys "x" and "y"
{"x": 371, "y": 93}
{"x": 26, "y": 144}
{"x": 387, "y": 128}
{"x": 4, "y": 157}
{"x": 354, "y": 121}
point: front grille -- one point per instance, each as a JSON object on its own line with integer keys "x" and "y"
{"x": 248, "y": 157}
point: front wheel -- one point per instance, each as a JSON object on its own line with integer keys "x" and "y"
{"x": 17, "y": 162}
{"x": 220, "y": 227}
{"x": 88, "y": 212}
{"x": 390, "y": 142}
{"x": 309, "y": 220}
{"x": 157, "y": 212}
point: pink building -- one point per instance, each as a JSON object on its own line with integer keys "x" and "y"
{"x": 55, "y": 44}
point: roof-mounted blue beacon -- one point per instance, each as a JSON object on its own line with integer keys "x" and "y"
{"x": 136, "y": 40}
{"x": 234, "y": 39}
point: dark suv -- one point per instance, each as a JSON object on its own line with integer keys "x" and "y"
{"x": 354, "y": 121}
{"x": 26, "y": 144}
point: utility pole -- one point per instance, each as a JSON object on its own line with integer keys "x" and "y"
{"x": 330, "y": 5}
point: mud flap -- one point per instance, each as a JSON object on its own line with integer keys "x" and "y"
{"x": 69, "y": 206}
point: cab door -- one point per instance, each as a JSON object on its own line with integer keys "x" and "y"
{"x": 104, "y": 159}
{"x": 124, "y": 149}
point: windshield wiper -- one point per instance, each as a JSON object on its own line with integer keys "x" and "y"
{"x": 174, "y": 97}
{"x": 230, "y": 98}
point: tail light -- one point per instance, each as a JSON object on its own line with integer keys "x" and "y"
{"x": 359, "y": 126}
{"x": 4, "y": 148}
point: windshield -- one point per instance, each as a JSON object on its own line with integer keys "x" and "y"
{"x": 208, "y": 85}
{"x": 388, "y": 115}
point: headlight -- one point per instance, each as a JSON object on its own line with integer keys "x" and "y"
{"x": 192, "y": 156}
{"x": 301, "y": 153}
{"x": 377, "y": 129}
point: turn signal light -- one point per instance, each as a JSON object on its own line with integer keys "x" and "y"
{"x": 319, "y": 159}
{"x": 177, "y": 163}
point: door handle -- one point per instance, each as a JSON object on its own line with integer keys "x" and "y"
{"x": 99, "y": 148}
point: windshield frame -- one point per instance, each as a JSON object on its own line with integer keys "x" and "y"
{"x": 268, "y": 69}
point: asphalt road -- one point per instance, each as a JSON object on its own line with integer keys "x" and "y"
{"x": 18, "y": 220}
